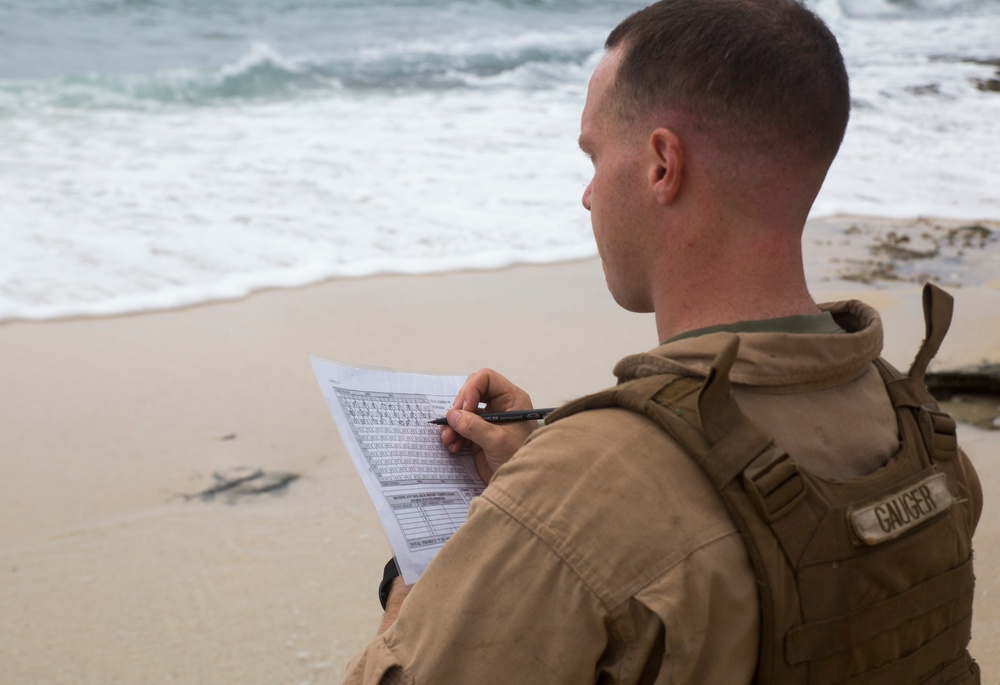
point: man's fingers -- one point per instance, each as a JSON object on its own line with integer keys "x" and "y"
{"x": 494, "y": 441}
{"x": 472, "y": 391}
{"x": 452, "y": 441}
{"x": 468, "y": 425}
{"x": 491, "y": 388}
{"x": 497, "y": 443}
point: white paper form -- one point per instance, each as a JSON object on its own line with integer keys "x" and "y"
{"x": 420, "y": 491}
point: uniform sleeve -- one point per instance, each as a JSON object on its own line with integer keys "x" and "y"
{"x": 496, "y": 605}
{"x": 376, "y": 664}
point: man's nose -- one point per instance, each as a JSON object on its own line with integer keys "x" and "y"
{"x": 586, "y": 197}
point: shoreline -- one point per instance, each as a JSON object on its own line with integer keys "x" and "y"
{"x": 114, "y": 568}
{"x": 841, "y": 222}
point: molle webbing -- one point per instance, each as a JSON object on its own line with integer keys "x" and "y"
{"x": 893, "y": 608}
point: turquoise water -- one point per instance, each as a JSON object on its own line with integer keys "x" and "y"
{"x": 161, "y": 153}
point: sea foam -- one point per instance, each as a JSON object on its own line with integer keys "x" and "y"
{"x": 364, "y": 139}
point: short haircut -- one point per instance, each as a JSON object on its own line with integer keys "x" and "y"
{"x": 753, "y": 74}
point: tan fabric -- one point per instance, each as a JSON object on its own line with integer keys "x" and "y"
{"x": 602, "y": 554}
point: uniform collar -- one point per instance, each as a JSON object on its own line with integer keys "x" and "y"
{"x": 776, "y": 360}
{"x": 821, "y": 323}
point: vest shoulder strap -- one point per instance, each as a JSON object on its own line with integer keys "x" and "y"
{"x": 938, "y": 309}
{"x": 666, "y": 399}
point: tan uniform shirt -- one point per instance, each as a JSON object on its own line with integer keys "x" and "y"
{"x": 601, "y": 553}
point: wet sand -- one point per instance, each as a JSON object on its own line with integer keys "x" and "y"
{"x": 114, "y": 569}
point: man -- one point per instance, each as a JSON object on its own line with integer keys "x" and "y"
{"x": 601, "y": 552}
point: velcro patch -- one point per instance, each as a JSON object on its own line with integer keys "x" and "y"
{"x": 907, "y": 508}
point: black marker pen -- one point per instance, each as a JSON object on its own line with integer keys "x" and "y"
{"x": 506, "y": 416}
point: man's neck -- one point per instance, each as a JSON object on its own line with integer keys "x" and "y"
{"x": 733, "y": 285}
{"x": 731, "y": 245}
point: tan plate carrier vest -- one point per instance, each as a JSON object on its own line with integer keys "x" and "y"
{"x": 861, "y": 581}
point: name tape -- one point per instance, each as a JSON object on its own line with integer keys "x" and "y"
{"x": 899, "y": 512}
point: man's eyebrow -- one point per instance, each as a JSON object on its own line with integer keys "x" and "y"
{"x": 584, "y": 143}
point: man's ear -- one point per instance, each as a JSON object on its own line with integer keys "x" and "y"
{"x": 667, "y": 169}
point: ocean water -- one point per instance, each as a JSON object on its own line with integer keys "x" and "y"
{"x": 159, "y": 153}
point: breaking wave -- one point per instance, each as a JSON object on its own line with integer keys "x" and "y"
{"x": 263, "y": 74}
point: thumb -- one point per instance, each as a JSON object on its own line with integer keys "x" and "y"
{"x": 468, "y": 425}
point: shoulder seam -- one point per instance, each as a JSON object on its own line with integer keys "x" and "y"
{"x": 493, "y": 494}
{"x": 608, "y": 598}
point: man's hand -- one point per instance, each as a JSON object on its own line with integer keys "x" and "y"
{"x": 492, "y": 445}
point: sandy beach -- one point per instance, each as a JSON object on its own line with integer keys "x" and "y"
{"x": 114, "y": 570}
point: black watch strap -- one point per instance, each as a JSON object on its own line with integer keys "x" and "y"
{"x": 388, "y": 575}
